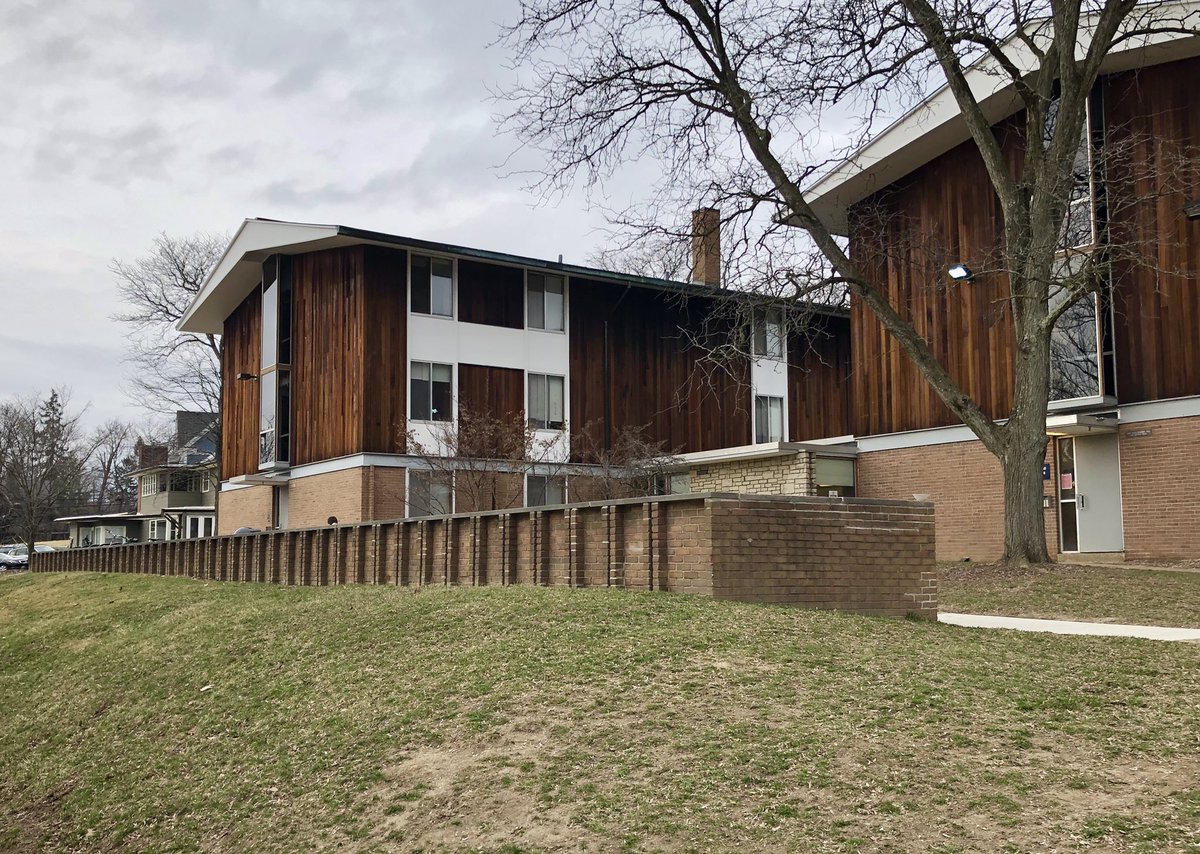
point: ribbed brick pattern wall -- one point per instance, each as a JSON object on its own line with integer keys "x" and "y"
{"x": 785, "y": 475}
{"x": 868, "y": 556}
{"x": 965, "y": 485}
{"x": 1160, "y": 488}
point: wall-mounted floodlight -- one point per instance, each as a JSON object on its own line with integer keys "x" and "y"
{"x": 1192, "y": 209}
{"x": 960, "y": 273}
{"x": 245, "y": 376}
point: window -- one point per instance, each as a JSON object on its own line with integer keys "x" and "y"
{"x": 150, "y": 484}
{"x": 206, "y": 482}
{"x": 432, "y": 286}
{"x": 546, "y": 402}
{"x": 543, "y": 489}
{"x": 183, "y": 481}
{"x": 834, "y": 476}
{"x": 266, "y": 427}
{"x": 768, "y": 333}
{"x": 274, "y": 379}
{"x": 158, "y": 529}
{"x": 432, "y": 392}
{"x": 430, "y": 493}
{"x": 546, "y": 303}
{"x": 768, "y": 419}
{"x": 200, "y": 526}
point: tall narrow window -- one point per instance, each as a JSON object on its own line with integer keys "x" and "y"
{"x": 430, "y": 493}
{"x": 768, "y": 419}
{"x": 546, "y": 302}
{"x": 274, "y": 381}
{"x": 546, "y": 404}
{"x": 543, "y": 489}
{"x": 431, "y": 395}
{"x": 768, "y": 333}
{"x": 432, "y": 286}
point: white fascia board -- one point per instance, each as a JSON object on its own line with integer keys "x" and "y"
{"x": 767, "y": 450}
{"x": 238, "y": 271}
{"x": 935, "y": 125}
{"x": 1078, "y": 424}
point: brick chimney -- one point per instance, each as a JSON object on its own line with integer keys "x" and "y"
{"x": 706, "y": 247}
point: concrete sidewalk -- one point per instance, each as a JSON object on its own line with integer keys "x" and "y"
{"x": 1069, "y": 627}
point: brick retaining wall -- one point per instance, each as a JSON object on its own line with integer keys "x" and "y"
{"x": 869, "y": 556}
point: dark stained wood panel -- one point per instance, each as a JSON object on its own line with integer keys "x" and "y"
{"x": 903, "y": 239}
{"x": 241, "y": 354}
{"x": 657, "y": 379}
{"x": 496, "y": 393}
{"x": 1152, "y": 119}
{"x": 385, "y": 374}
{"x": 491, "y": 294}
{"x": 328, "y": 364}
{"x": 819, "y": 380}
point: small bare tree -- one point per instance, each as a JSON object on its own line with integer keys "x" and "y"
{"x": 634, "y": 466}
{"x": 108, "y": 472}
{"x": 484, "y": 458}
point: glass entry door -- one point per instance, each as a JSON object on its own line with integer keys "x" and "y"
{"x": 1068, "y": 511}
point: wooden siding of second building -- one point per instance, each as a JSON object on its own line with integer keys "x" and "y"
{"x": 945, "y": 212}
{"x": 241, "y": 354}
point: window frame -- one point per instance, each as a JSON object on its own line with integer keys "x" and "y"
{"x": 546, "y": 479}
{"x": 412, "y": 474}
{"x": 451, "y": 408}
{"x": 545, "y": 423}
{"x": 770, "y": 399}
{"x": 529, "y": 300}
{"x": 762, "y": 320}
{"x": 453, "y": 262}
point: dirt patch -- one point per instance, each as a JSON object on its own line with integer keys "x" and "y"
{"x": 471, "y": 797}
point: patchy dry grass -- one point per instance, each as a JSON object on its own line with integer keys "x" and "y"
{"x": 1108, "y": 594}
{"x": 369, "y": 719}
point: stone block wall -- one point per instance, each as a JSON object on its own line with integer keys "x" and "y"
{"x": 862, "y": 555}
{"x": 780, "y": 475}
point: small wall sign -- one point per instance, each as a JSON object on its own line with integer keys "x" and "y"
{"x": 1137, "y": 434}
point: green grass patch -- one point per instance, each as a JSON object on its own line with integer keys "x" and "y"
{"x": 158, "y": 714}
{"x": 1110, "y": 594}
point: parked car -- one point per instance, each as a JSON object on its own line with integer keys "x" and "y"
{"x": 14, "y": 557}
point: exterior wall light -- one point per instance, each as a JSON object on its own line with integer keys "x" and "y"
{"x": 246, "y": 376}
{"x": 961, "y": 273}
{"x": 1192, "y": 209}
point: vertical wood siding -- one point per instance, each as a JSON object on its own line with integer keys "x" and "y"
{"x": 1153, "y": 124}
{"x": 328, "y": 354}
{"x": 819, "y": 379}
{"x": 657, "y": 379}
{"x": 493, "y": 392}
{"x": 904, "y": 238}
{"x": 491, "y": 294}
{"x": 239, "y": 398}
{"x": 385, "y": 391}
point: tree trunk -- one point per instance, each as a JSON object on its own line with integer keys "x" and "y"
{"x": 1024, "y": 447}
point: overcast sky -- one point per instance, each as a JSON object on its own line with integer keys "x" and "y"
{"x": 124, "y": 118}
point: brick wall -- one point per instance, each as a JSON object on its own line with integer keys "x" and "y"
{"x": 313, "y": 499}
{"x": 783, "y": 475}
{"x": 1160, "y": 486}
{"x": 248, "y": 507}
{"x": 963, "y": 480}
{"x": 860, "y": 555}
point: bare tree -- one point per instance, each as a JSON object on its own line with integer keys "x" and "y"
{"x": 172, "y": 370}
{"x": 44, "y": 458}
{"x": 728, "y": 96}
{"x": 108, "y": 472}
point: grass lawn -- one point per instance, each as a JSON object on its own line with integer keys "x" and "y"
{"x": 1109, "y": 594}
{"x": 163, "y": 714}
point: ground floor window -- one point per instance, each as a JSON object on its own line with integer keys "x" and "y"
{"x": 541, "y": 489}
{"x": 200, "y": 526}
{"x": 833, "y": 476}
{"x": 430, "y": 493}
{"x": 158, "y": 529}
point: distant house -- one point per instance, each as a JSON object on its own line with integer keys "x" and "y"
{"x": 176, "y": 490}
